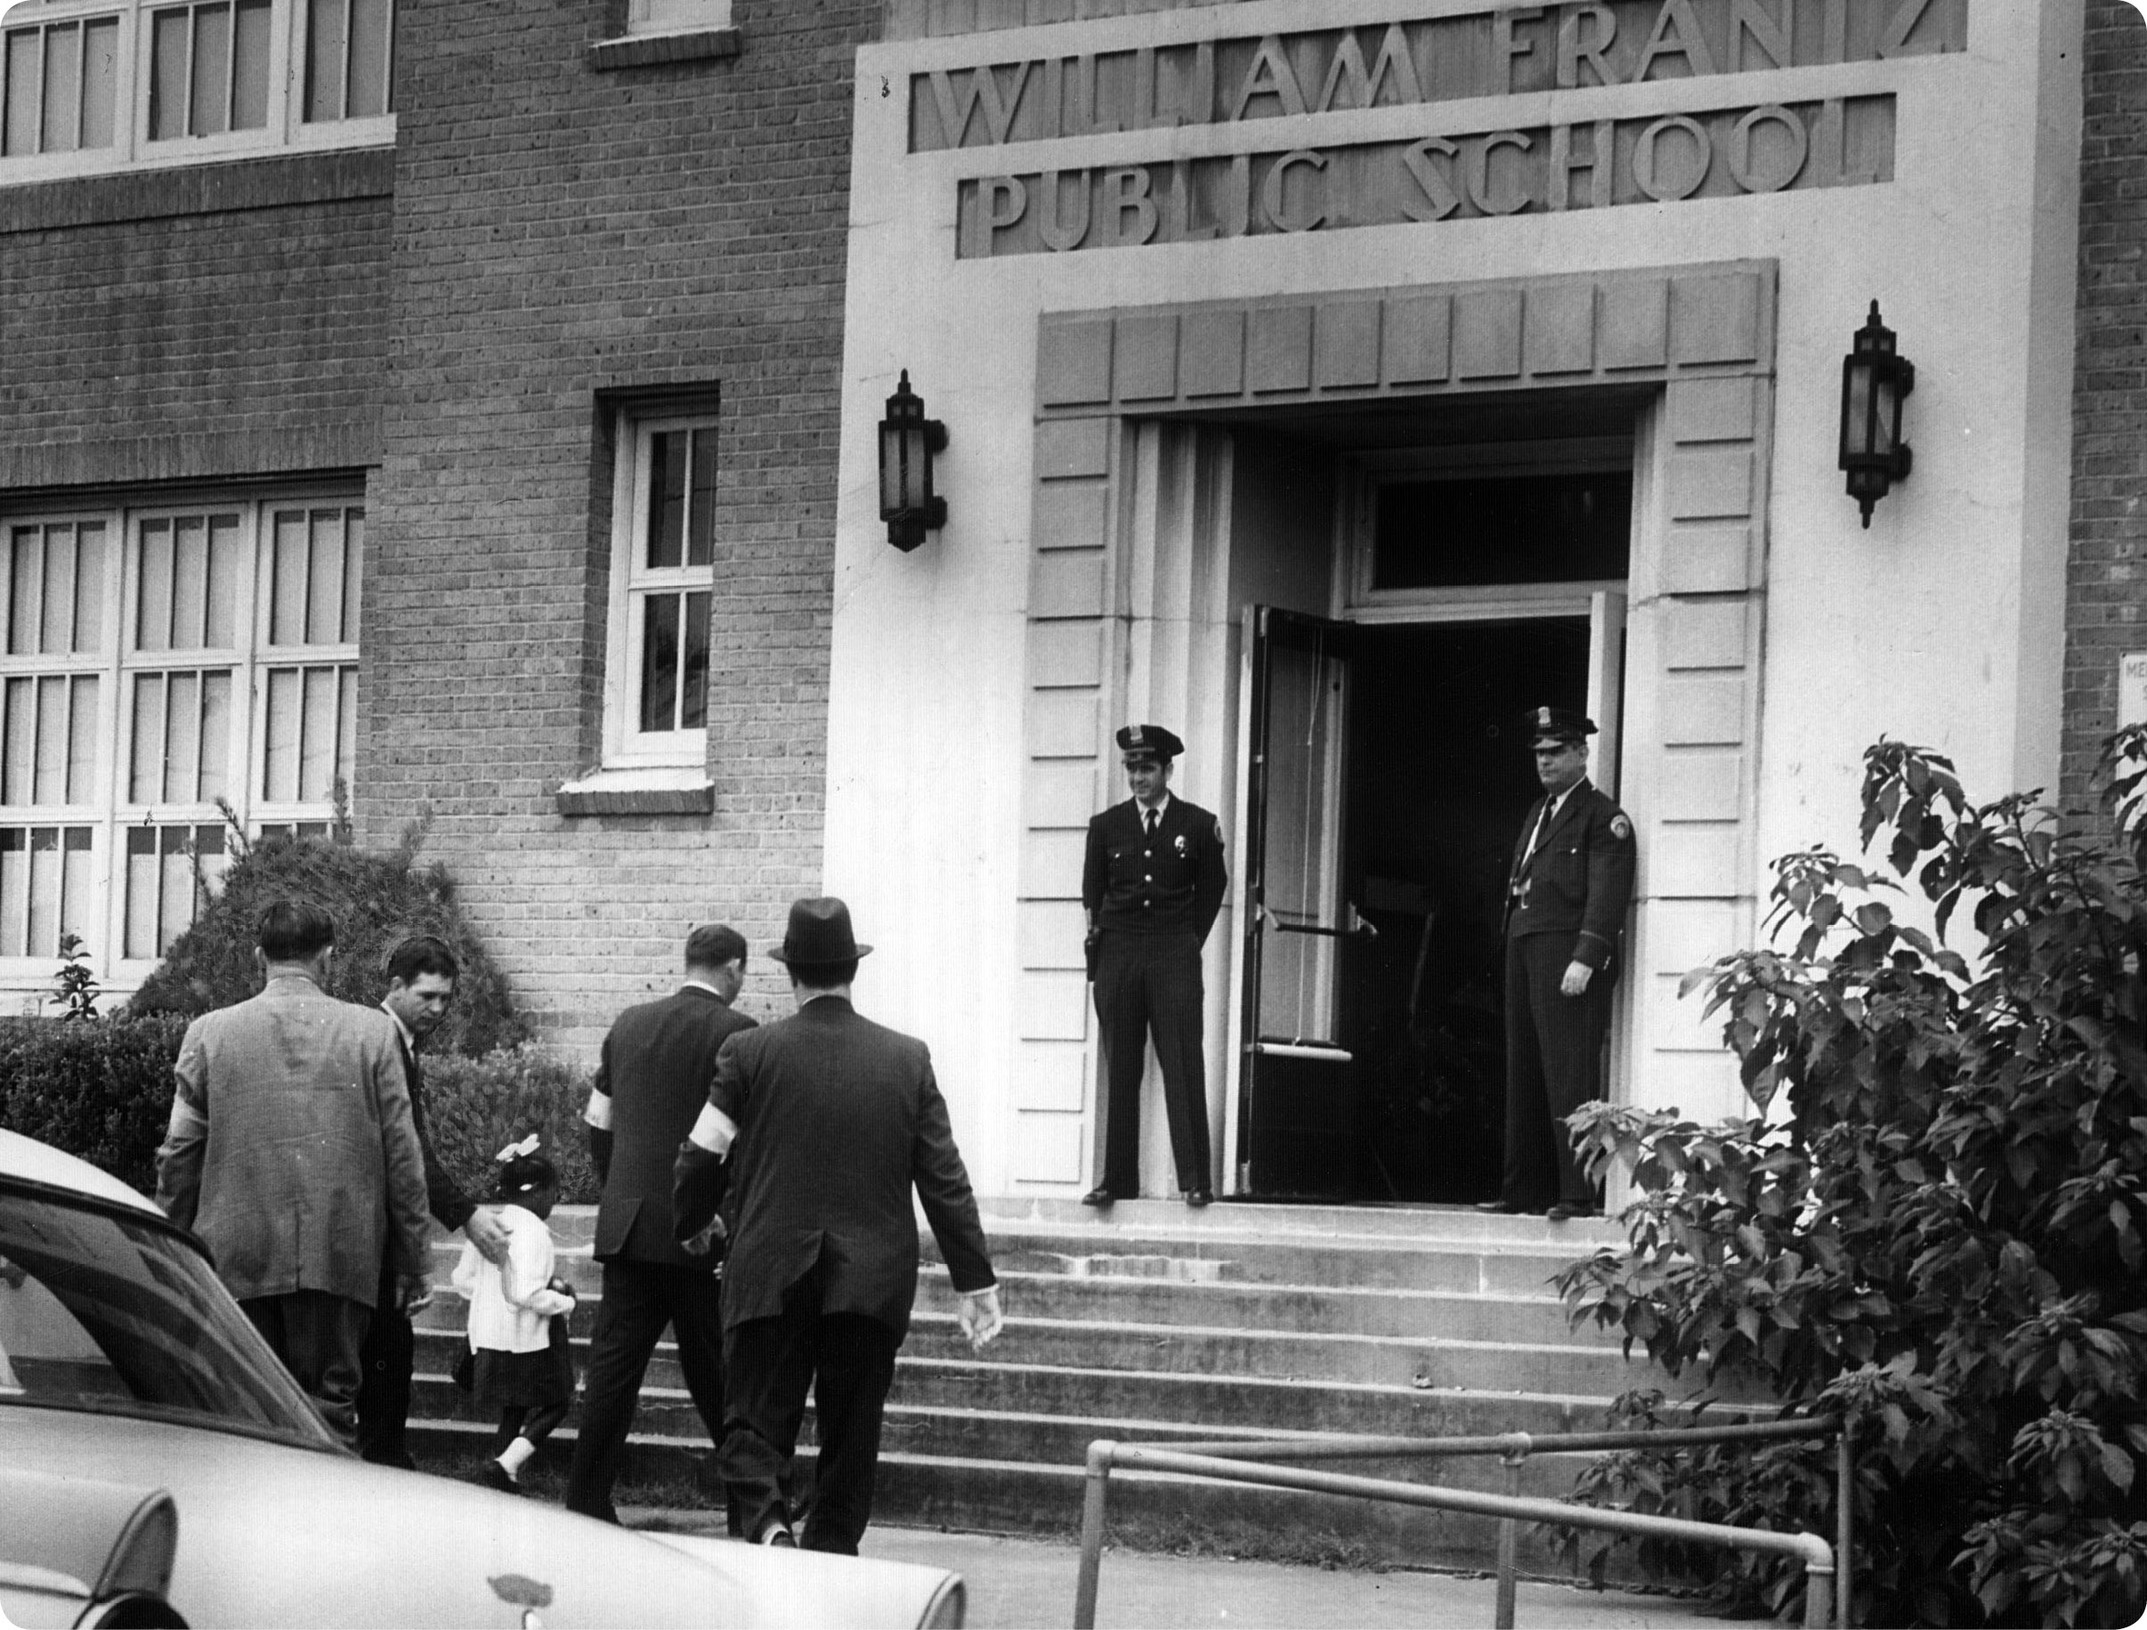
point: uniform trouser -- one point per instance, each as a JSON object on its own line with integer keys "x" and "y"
{"x": 319, "y": 1336}
{"x": 1554, "y": 1050}
{"x": 1151, "y": 983}
{"x": 640, "y": 1298}
{"x": 386, "y": 1364}
{"x": 848, "y": 1360}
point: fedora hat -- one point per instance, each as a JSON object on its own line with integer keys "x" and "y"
{"x": 819, "y": 933}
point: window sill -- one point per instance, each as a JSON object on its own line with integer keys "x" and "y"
{"x": 679, "y": 790}
{"x": 646, "y": 50}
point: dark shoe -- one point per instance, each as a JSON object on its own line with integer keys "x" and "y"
{"x": 1098, "y": 1197}
{"x": 777, "y": 1534}
{"x": 495, "y": 1476}
{"x": 1498, "y": 1208}
{"x": 1564, "y": 1211}
{"x": 1196, "y": 1198}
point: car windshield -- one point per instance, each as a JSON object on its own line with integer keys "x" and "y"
{"x": 122, "y": 1315}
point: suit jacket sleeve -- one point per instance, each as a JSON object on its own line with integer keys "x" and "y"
{"x": 1212, "y": 881}
{"x": 943, "y": 1186}
{"x": 699, "y": 1178}
{"x": 1611, "y": 861}
{"x": 1095, "y": 869}
{"x": 409, "y": 1226}
{"x": 185, "y": 1138}
{"x": 443, "y": 1195}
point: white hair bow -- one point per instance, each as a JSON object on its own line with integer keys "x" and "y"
{"x": 514, "y": 1151}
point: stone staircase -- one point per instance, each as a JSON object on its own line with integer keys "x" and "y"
{"x": 1153, "y": 1323}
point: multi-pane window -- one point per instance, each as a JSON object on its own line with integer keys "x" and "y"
{"x": 676, "y": 16}
{"x": 167, "y": 669}
{"x": 104, "y": 84}
{"x": 663, "y": 595}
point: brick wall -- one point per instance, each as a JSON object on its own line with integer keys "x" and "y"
{"x": 563, "y": 231}
{"x": 193, "y": 324}
{"x": 2106, "y": 597}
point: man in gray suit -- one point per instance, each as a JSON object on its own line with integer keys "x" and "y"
{"x": 292, "y": 1152}
{"x": 827, "y": 1119}
{"x": 650, "y": 1083}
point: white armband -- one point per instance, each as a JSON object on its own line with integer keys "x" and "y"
{"x": 598, "y": 1114}
{"x": 713, "y": 1131}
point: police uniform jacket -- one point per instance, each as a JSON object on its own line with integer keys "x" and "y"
{"x": 655, "y": 1068}
{"x": 1172, "y": 883}
{"x": 1578, "y": 879}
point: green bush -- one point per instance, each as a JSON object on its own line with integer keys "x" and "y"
{"x": 1943, "y": 1241}
{"x": 376, "y": 900}
{"x": 474, "y": 1107}
{"x": 100, "y": 1090}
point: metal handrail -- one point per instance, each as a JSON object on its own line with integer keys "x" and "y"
{"x": 1252, "y": 1462}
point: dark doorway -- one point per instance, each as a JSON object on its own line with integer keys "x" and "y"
{"x": 1439, "y": 781}
{"x": 1389, "y": 1087}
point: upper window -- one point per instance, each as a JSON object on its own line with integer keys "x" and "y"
{"x": 662, "y": 592}
{"x": 676, "y": 16}
{"x": 166, "y": 669}
{"x": 99, "y": 85}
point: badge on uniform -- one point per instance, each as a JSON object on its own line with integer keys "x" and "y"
{"x": 1180, "y": 842}
{"x": 1620, "y": 827}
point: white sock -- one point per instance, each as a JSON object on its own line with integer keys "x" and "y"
{"x": 515, "y": 1455}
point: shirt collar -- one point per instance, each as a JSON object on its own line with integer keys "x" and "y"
{"x": 409, "y": 1041}
{"x": 702, "y": 984}
{"x": 1162, "y": 807}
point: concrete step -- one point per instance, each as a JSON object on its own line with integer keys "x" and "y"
{"x": 1016, "y": 1496}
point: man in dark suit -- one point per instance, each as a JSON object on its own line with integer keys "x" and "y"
{"x": 1566, "y": 900}
{"x": 650, "y": 1084}
{"x": 815, "y": 1129}
{"x": 421, "y": 985}
{"x": 1152, "y": 881}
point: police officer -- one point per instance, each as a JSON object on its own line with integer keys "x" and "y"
{"x": 1566, "y": 899}
{"x": 1152, "y": 882}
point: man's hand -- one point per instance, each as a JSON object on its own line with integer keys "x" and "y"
{"x": 413, "y": 1292}
{"x": 707, "y": 1239}
{"x": 488, "y": 1234}
{"x": 1575, "y": 982}
{"x": 980, "y": 1316}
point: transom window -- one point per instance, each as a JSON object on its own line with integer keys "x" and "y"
{"x": 167, "y": 669}
{"x": 663, "y": 590}
{"x": 95, "y": 85}
{"x": 676, "y": 16}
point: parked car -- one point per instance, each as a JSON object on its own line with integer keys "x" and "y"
{"x": 158, "y": 1466}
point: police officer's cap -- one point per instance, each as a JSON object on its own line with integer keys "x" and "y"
{"x": 1558, "y": 726}
{"x": 1149, "y": 741}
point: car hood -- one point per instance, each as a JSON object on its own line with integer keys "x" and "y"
{"x": 275, "y": 1535}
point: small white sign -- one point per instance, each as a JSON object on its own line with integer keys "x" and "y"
{"x": 2132, "y": 688}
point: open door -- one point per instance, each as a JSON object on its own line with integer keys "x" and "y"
{"x": 1297, "y": 1091}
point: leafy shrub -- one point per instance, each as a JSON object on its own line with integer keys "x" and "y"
{"x": 474, "y": 1107}
{"x": 376, "y": 900}
{"x": 1943, "y": 1238}
{"x": 99, "y": 1090}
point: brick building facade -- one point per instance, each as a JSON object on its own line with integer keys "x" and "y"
{"x": 2106, "y": 582}
{"x": 572, "y": 227}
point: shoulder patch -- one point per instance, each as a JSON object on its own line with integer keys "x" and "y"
{"x": 1620, "y": 827}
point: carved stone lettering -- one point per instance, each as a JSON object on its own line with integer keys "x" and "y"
{"x": 1492, "y": 51}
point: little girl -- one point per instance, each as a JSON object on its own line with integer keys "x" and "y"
{"x": 518, "y": 1327}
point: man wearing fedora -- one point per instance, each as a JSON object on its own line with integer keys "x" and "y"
{"x": 816, "y": 1128}
{"x": 1152, "y": 881}
{"x": 1566, "y": 899}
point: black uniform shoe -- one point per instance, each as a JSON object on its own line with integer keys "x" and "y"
{"x": 1566, "y": 1212}
{"x": 1197, "y": 1198}
{"x": 1098, "y": 1197}
{"x": 1498, "y": 1208}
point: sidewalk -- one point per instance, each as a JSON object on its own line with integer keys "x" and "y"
{"x": 1023, "y": 1583}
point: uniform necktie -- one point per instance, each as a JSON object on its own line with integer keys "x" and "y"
{"x": 1152, "y": 817}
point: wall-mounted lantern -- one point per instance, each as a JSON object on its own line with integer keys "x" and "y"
{"x": 1875, "y": 380}
{"x": 907, "y": 442}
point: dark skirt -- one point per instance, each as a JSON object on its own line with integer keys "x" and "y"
{"x": 524, "y": 1380}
